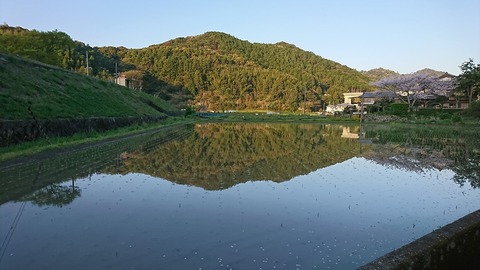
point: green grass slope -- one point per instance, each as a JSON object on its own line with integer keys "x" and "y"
{"x": 51, "y": 92}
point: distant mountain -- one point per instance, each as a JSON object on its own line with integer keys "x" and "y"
{"x": 213, "y": 71}
{"x": 379, "y": 73}
{"x": 430, "y": 72}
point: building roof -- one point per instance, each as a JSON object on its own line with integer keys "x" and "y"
{"x": 379, "y": 94}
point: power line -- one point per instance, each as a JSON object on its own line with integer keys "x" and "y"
{"x": 9, "y": 235}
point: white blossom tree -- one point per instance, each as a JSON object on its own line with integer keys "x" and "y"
{"x": 410, "y": 88}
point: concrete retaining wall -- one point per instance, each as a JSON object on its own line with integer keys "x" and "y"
{"x": 454, "y": 246}
{"x": 16, "y": 131}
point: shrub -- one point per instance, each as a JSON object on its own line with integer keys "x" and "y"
{"x": 473, "y": 110}
{"x": 456, "y": 118}
{"x": 444, "y": 116}
{"x": 398, "y": 109}
{"x": 189, "y": 111}
{"x": 427, "y": 112}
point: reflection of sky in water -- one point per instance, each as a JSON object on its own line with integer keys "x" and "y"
{"x": 341, "y": 217}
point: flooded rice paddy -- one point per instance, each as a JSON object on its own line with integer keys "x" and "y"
{"x": 237, "y": 196}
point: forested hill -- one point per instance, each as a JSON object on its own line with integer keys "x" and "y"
{"x": 213, "y": 71}
{"x": 379, "y": 73}
{"x": 223, "y": 72}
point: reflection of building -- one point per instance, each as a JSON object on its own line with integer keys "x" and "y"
{"x": 347, "y": 133}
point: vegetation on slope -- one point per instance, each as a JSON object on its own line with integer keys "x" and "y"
{"x": 222, "y": 72}
{"x": 214, "y": 71}
{"x": 51, "y": 92}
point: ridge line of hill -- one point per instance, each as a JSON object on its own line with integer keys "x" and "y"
{"x": 213, "y": 71}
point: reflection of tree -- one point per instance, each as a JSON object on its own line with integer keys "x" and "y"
{"x": 423, "y": 148}
{"x": 20, "y": 178}
{"x": 408, "y": 158}
{"x": 218, "y": 156}
{"x": 468, "y": 170}
{"x": 54, "y": 195}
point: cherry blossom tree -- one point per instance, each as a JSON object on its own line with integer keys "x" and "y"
{"x": 410, "y": 88}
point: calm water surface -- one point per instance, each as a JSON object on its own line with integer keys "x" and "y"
{"x": 236, "y": 196}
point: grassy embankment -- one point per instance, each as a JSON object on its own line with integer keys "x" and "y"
{"x": 52, "y": 92}
{"x": 48, "y": 92}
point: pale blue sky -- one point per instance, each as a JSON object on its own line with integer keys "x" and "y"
{"x": 401, "y": 35}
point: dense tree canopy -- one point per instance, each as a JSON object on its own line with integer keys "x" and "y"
{"x": 52, "y": 47}
{"x": 469, "y": 80}
{"x": 222, "y": 72}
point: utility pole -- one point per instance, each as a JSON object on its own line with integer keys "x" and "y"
{"x": 87, "y": 63}
{"x": 362, "y": 104}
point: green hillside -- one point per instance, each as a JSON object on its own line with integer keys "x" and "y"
{"x": 222, "y": 72}
{"x": 213, "y": 71}
{"x": 53, "y": 92}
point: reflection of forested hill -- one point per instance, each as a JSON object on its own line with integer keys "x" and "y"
{"x": 218, "y": 156}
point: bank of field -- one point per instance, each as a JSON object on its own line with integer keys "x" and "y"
{"x": 48, "y": 92}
